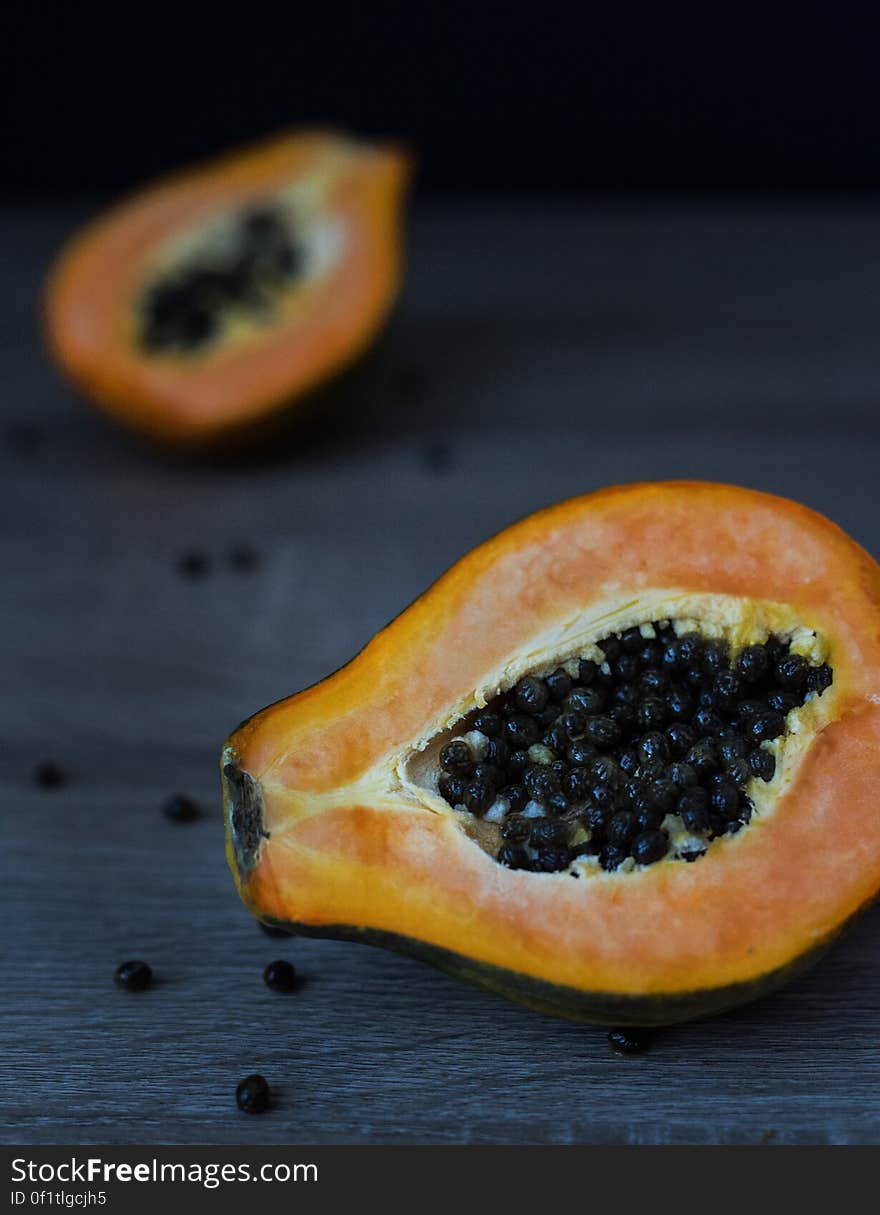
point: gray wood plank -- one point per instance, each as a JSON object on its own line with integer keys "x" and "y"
{"x": 552, "y": 349}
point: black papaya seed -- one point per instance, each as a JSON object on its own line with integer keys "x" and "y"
{"x": 253, "y": 1096}
{"x": 665, "y": 725}
{"x": 280, "y": 976}
{"x": 456, "y": 758}
{"x": 49, "y": 775}
{"x": 133, "y": 976}
{"x": 243, "y": 558}
{"x": 650, "y": 846}
{"x": 180, "y": 808}
{"x": 630, "y": 1041}
{"x": 194, "y": 564}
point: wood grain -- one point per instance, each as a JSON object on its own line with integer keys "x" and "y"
{"x": 538, "y": 352}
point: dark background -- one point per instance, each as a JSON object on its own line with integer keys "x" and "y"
{"x": 494, "y": 97}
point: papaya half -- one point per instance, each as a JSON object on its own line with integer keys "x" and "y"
{"x": 207, "y": 302}
{"x": 620, "y": 763}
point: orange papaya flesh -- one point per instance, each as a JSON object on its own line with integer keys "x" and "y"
{"x": 209, "y": 302}
{"x": 336, "y": 824}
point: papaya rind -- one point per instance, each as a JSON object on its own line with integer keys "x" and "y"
{"x": 584, "y": 1007}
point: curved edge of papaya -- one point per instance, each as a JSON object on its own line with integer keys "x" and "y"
{"x": 276, "y": 433}
{"x": 586, "y": 1008}
{"x": 244, "y": 835}
{"x": 280, "y": 423}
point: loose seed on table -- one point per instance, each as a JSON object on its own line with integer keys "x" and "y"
{"x": 630, "y": 1041}
{"x": 180, "y": 808}
{"x": 194, "y": 564}
{"x": 280, "y": 976}
{"x": 133, "y": 976}
{"x": 49, "y": 775}
{"x": 253, "y": 1096}
{"x": 243, "y": 558}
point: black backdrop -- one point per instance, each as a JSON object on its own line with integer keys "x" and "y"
{"x": 500, "y": 97}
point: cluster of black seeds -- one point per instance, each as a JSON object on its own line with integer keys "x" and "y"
{"x": 195, "y": 563}
{"x": 184, "y": 311}
{"x": 592, "y": 765}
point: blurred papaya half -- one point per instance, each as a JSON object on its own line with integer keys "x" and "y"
{"x": 199, "y": 308}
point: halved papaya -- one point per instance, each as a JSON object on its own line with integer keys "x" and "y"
{"x": 207, "y": 302}
{"x": 619, "y": 763}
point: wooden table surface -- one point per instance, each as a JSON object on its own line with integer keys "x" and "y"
{"x": 538, "y": 352}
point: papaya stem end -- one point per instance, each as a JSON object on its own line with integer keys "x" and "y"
{"x": 243, "y": 803}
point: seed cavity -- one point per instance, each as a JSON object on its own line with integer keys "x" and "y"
{"x": 241, "y": 276}
{"x": 647, "y": 751}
